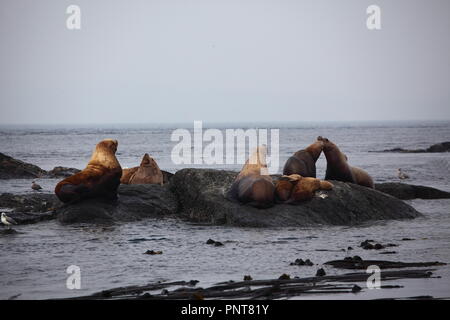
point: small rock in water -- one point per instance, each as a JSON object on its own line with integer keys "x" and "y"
{"x": 388, "y": 252}
{"x": 349, "y": 248}
{"x": 210, "y": 241}
{"x": 320, "y": 273}
{"x": 284, "y": 276}
{"x": 165, "y": 292}
{"x": 151, "y": 252}
{"x": 407, "y": 239}
{"x": 357, "y": 258}
{"x": 378, "y": 246}
{"x": 193, "y": 283}
{"x": 218, "y": 244}
{"x": 298, "y": 262}
{"x": 248, "y": 278}
{"x": 356, "y": 288}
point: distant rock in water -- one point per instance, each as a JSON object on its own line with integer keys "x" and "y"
{"x": 11, "y": 168}
{"x": 202, "y": 197}
{"x": 408, "y": 191}
{"x": 438, "y": 147}
{"x": 62, "y": 172}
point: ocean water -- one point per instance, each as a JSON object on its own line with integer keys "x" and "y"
{"x": 33, "y": 263}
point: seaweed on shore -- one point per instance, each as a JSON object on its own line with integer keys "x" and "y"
{"x": 255, "y": 289}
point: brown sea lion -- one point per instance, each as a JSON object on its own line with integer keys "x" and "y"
{"x": 253, "y": 185}
{"x": 300, "y": 189}
{"x": 339, "y": 169}
{"x": 303, "y": 162}
{"x": 147, "y": 173}
{"x": 127, "y": 173}
{"x": 283, "y": 189}
{"x": 100, "y": 178}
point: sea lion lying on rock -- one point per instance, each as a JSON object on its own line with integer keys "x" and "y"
{"x": 100, "y": 178}
{"x": 303, "y": 162}
{"x": 147, "y": 173}
{"x": 295, "y": 188}
{"x": 339, "y": 169}
{"x": 127, "y": 173}
{"x": 254, "y": 185}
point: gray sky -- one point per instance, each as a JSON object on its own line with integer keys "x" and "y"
{"x": 235, "y": 60}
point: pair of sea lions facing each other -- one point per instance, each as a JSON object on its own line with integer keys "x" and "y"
{"x": 147, "y": 173}
{"x": 102, "y": 176}
{"x": 339, "y": 169}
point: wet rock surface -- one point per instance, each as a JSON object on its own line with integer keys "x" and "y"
{"x": 29, "y": 208}
{"x": 202, "y": 196}
{"x": 408, "y": 191}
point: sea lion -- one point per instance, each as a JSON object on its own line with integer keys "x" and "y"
{"x": 127, "y": 173}
{"x": 100, "y": 178}
{"x": 303, "y": 162}
{"x": 283, "y": 189}
{"x": 253, "y": 185}
{"x": 295, "y": 188}
{"x": 147, "y": 173}
{"x": 339, "y": 169}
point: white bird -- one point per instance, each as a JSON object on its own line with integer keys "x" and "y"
{"x": 7, "y": 221}
{"x": 35, "y": 186}
{"x": 401, "y": 175}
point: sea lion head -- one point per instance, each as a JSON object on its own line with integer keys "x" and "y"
{"x": 327, "y": 144}
{"x": 104, "y": 154}
{"x": 109, "y": 145}
{"x": 149, "y": 162}
{"x": 292, "y": 177}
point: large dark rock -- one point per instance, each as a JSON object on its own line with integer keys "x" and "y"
{"x": 438, "y": 147}
{"x": 11, "y": 168}
{"x": 408, "y": 191}
{"x": 202, "y": 196}
{"x": 135, "y": 202}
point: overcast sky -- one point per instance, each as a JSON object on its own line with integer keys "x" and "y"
{"x": 223, "y": 60}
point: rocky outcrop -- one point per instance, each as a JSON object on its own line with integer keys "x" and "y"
{"x": 11, "y": 168}
{"x": 408, "y": 191}
{"x": 202, "y": 196}
{"x": 438, "y": 147}
{"x": 135, "y": 202}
